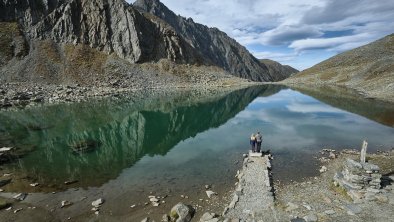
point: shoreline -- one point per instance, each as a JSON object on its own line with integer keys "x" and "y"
{"x": 292, "y": 200}
{"x": 359, "y": 91}
{"x": 24, "y": 94}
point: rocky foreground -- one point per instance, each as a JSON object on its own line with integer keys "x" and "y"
{"x": 316, "y": 199}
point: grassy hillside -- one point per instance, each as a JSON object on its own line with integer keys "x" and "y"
{"x": 368, "y": 69}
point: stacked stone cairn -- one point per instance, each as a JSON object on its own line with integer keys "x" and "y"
{"x": 360, "y": 180}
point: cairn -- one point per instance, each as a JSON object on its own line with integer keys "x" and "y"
{"x": 361, "y": 179}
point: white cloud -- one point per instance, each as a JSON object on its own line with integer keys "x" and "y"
{"x": 298, "y": 26}
{"x": 312, "y": 108}
{"x": 328, "y": 43}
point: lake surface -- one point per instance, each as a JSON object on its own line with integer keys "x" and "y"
{"x": 181, "y": 141}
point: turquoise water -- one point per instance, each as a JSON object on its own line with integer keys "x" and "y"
{"x": 175, "y": 141}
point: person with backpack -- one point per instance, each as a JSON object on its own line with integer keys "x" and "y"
{"x": 259, "y": 140}
{"x": 253, "y": 142}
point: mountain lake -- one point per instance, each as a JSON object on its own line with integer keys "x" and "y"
{"x": 173, "y": 144}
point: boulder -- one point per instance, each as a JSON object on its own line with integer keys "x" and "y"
{"x": 181, "y": 213}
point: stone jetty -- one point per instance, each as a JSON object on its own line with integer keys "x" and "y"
{"x": 253, "y": 199}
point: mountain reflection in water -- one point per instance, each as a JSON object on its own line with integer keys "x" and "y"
{"x": 189, "y": 137}
{"x": 124, "y": 132}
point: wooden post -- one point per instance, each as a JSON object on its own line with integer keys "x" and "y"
{"x": 364, "y": 151}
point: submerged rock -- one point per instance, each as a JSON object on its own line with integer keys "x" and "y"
{"x": 4, "y": 182}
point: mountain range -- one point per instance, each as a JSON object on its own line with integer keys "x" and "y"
{"x": 67, "y": 41}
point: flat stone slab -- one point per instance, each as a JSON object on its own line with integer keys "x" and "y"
{"x": 251, "y": 154}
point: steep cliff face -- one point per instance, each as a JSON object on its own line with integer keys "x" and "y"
{"x": 109, "y": 26}
{"x": 44, "y": 32}
{"x": 213, "y": 44}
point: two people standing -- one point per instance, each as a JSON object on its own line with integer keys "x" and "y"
{"x": 255, "y": 142}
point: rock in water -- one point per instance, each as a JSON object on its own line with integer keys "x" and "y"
{"x": 4, "y": 182}
{"x": 5, "y": 149}
{"x": 98, "y": 202}
{"x": 65, "y": 203}
{"x": 20, "y": 196}
{"x": 323, "y": 169}
{"x": 181, "y": 213}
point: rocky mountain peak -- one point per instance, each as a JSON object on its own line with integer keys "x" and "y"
{"x": 146, "y": 31}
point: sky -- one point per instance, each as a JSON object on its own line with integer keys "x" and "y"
{"x": 297, "y": 33}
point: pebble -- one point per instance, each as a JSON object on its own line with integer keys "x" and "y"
{"x": 17, "y": 210}
{"x": 291, "y": 207}
{"x": 323, "y": 169}
{"x": 70, "y": 182}
{"x": 98, "y": 202}
{"x": 20, "y": 196}
{"x": 353, "y": 209}
{"x": 310, "y": 218}
{"x": 329, "y": 212}
{"x": 34, "y": 184}
{"x": 153, "y": 199}
{"x": 65, "y": 203}
{"x": 210, "y": 193}
{"x": 382, "y": 198}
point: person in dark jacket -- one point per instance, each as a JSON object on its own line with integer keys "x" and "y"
{"x": 259, "y": 140}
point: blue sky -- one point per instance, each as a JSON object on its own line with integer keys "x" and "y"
{"x": 296, "y": 33}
